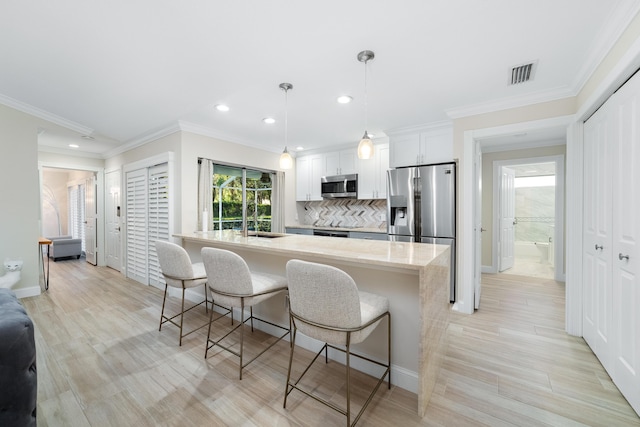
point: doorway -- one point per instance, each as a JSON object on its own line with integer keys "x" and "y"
{"x": 526, "y": 217}
{"x": 68, "y": 207}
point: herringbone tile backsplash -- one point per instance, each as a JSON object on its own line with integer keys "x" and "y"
{"x": 344, "y": 213}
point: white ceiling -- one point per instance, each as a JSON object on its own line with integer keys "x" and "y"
{"x": 123, "y": 72}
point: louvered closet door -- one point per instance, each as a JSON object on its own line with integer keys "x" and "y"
{"x": 136, "y": 220}
{"x": 597, "y": 238}
{"x": 158, "y": 224}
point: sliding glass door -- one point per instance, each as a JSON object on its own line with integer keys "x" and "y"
{"x": 229, "y": 192}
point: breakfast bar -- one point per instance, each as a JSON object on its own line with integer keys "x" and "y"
{"x": 413, "y": 276}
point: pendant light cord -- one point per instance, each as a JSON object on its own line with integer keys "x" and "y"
{"x": 366, "y": 126}
{"x": 286, "y": 118}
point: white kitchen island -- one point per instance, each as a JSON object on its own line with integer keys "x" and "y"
{"x": 413, "y": 276}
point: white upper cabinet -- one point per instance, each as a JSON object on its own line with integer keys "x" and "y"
{"x": 341, "y": 162}
{"x": 404, "y": 150}
{"x": 429, "y": 146}
{"x": 309, "y": 170}
{"x": 372, "y": 174}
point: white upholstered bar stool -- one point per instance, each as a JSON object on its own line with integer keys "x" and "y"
{"x": 325, "y": 304}
{"x": 179, "y": 272}
{"x": 232, "y": 284}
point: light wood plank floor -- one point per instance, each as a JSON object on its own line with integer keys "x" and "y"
{"x": 102, "y": 362}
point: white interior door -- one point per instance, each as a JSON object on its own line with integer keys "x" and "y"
{"x": 625, "y": 291}
{"x": 507, "y": 217}
{"x": 477, "y": 207}
{"x": 597, "y": 239}
{"x": 112, "y": 213}
{"x": 90, "y": 220}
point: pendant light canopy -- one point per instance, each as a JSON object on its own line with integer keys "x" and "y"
{"x": 286, "y": 161}
{"x": 365, "y": 147}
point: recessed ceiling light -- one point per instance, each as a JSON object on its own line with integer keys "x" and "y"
{"x": 74, "y": 146}
{"x": 344, "y": 99}
{"x": 269, "y": 120}
{"x": 299, "y": 148}
{"x": 222, "y": 107}
{"x": 88, "y": 137}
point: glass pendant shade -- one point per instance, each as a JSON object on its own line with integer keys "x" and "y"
{"x": 286, "y": 161}
{"x": 365, "y": 147}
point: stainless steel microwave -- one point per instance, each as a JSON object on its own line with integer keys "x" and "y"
{"x": 339, "y": 186}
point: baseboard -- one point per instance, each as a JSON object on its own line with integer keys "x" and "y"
{"x": 487, "y": 269}
{"x": 31, "y": 291}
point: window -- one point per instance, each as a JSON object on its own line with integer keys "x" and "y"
{"x": 228, "y": 195}
{"x": 535, "y": 208}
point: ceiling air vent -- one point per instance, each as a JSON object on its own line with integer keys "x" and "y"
{"x": 522, "y": 73}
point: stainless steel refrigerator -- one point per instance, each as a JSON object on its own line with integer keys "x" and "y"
{"x": 421, "y": 207}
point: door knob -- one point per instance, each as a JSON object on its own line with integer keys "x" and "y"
{"x": 599, "y": 247}
{"x": 621, "y": 257}
{"x": 483, "y": 229}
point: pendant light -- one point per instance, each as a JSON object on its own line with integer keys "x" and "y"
{"x": 365, "y": 147}
{"x": 286, "y": 161}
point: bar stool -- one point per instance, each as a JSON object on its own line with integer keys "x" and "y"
{"x": 179, "y": 272}
{"x": 325, "y": 304}
{"x": 231, "y": 283}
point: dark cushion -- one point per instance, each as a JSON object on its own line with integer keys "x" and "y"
{"x": 18, "y": 376}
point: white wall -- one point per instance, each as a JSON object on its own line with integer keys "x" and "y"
{"x": 54, "y": 191}
{"x": 20, "y": 213}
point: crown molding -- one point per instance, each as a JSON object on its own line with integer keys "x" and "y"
{"x": 145, "y": 138}
{"x": 45, "y": 115}
{"x": 511, "y": 102}
{"x": 211, "y": 133}
{"x": 605, "y": 41}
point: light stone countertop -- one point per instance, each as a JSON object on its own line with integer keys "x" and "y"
{"x": 373, "y": 253}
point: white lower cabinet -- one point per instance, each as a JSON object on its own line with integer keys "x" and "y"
{"x": 611, "y": 238}
{"x": 297, "y": 230}
{"x": 368, "y": 235}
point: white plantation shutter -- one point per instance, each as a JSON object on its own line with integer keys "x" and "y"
{"x": 158, "y": 225}
{"x": 136, "y": 220}
{"x": 76, "y": 212}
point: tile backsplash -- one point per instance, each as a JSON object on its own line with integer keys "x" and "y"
{"x": 344, "y": 213}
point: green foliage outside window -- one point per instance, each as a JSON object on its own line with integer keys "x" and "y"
{"x": 227, "y": 202}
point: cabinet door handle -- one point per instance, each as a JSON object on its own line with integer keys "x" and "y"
{"x": 599, "y": 247}
{"x": 621, "y": 257}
